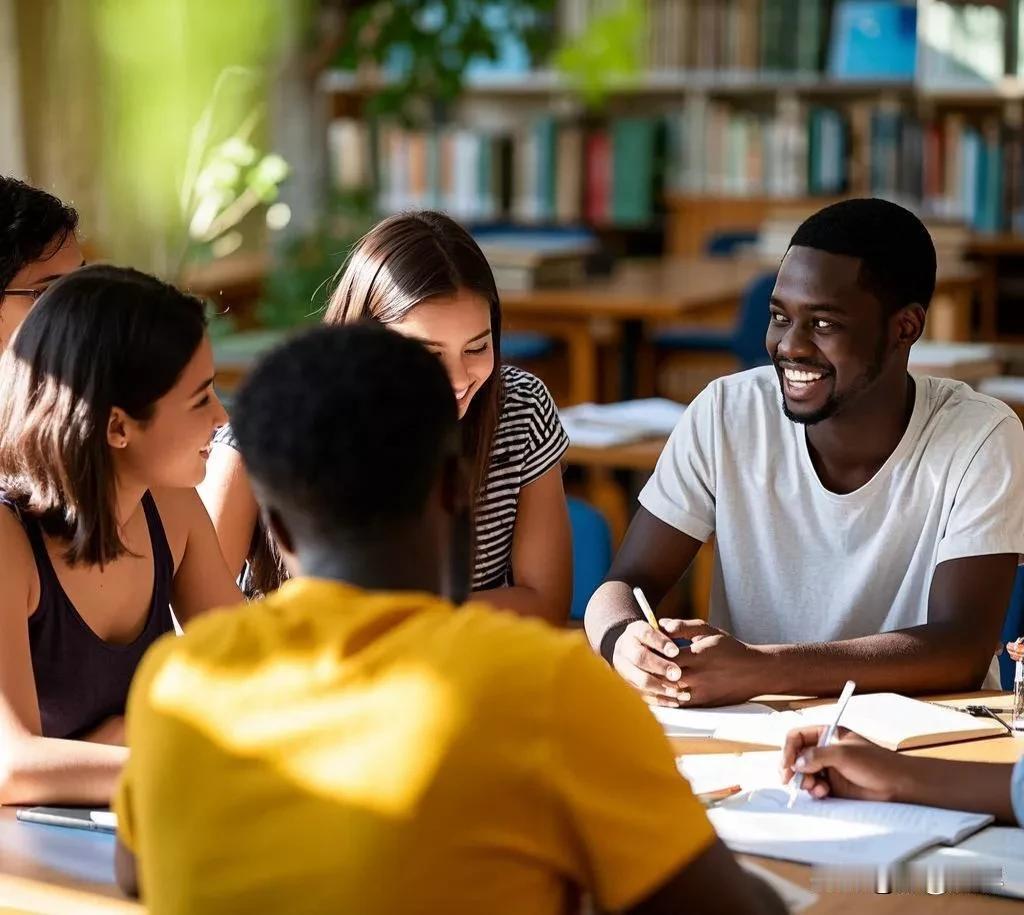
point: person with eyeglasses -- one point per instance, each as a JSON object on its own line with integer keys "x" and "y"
{"x": 38, "y": 245}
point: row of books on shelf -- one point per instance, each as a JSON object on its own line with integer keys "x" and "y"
{"x": 951, "y": 167}
{"x": 956, "y": 169}
{"x": 737, "y": 34}
{"x": 959, "y": 42}
{"x": 618, "y": 173}
{"x": 545, "y": 172}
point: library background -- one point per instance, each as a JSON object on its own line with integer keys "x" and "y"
{"x": 632, "y": 168}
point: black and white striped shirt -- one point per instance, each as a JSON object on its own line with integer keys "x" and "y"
{"x": 528, "y": 442}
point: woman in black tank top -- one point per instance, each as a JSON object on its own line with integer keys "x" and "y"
{"x": 106, "y": 414}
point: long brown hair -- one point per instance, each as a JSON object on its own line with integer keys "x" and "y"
{"x": 100, "y": 337}
{"x": 399, "y": 263}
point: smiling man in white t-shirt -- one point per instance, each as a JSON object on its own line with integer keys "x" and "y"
{"x": 867, "y": 523}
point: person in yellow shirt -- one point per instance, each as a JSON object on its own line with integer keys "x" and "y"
{"x": 356, "y": 743}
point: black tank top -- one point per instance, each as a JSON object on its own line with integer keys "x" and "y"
{"x": 81, "y": 680}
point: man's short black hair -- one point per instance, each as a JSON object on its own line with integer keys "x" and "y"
{"x": 897, "y": 254}
{"x": 33, "y": 225}
{"x": 344, "y": 429}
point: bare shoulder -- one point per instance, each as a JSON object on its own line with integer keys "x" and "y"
{"x": 20, "y": 580}
{"x": 180, "y": 511}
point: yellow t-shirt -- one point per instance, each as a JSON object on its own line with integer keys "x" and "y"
{"x": 333, "y": 750}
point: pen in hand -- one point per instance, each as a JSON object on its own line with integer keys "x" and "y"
{"x": 826, "y": 738}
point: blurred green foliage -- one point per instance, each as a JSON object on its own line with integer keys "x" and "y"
{"x": 303, "y": 277}
{"x": 426, "y": 46}
{"x": 225, "y": 182}
{"x": 609, "y": 52}
{"x": 160, "y": 62}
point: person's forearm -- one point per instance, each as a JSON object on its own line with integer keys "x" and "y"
{"x": 524, "y": 601}
{"x": 977, "y": 787}
{"x": 610, "y": 611}
{"x": 931, "y": 658}
{"x": 44, "y": 770}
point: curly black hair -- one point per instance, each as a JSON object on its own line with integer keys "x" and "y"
{"x": 33, "y": 226}
{"x": 345, "y": 429}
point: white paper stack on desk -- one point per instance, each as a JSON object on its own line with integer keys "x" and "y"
{"x": 591, "y": 425}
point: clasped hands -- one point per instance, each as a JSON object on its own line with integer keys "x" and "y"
{"x": 716, "y": 669}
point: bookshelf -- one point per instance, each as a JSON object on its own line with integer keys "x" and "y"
{"x": 744, "y": 105}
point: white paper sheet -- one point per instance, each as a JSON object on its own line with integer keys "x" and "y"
{"x": 705, "y": 722}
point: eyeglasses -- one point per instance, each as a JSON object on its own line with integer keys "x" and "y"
{"x": 33, "y": 294}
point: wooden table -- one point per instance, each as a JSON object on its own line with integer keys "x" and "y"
{"x": 47, "y": 869}
{"x": 988, "y": 251}
{"x": 1002, "y": 749}
{"x": 644, "y": 294}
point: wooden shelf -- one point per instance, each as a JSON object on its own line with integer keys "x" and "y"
{"x": 1008, "y": 89}
{"x": 654, "y": 82}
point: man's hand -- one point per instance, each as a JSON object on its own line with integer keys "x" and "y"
{"x": 850, "y": 767}
{"x": 647, "y": 659}
{"x": 718, "y": 669}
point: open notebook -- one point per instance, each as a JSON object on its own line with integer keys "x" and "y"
{"x": 833, "y": 831}
{"x": 887, "y": 719}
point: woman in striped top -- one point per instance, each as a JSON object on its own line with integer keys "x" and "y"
{"x": 423, "y": 275}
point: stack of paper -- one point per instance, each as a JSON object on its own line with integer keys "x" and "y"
{"x": 591, "y": 425}
{"x": 1007, "y": 387}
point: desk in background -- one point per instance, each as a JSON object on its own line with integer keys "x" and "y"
{"x": 643, "y": 295}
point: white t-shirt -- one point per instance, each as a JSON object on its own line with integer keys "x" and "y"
{"x": 795, "y": 562}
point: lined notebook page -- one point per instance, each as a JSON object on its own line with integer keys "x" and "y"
{"x": 836, "y": 831}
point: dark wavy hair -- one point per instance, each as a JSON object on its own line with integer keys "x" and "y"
{"x": 33, "y": 226}
{"x": 100, "y": 337}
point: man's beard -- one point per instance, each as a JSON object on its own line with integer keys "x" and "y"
{"x": 837, "y": 402}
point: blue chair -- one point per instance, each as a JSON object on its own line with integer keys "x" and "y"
{"x": 728, "y": 241}
{"x": 1012, "y": 628}
{"x": 524, "y": 345}
{"x": 591, "y": 553}
{"x": 745, "y": 340}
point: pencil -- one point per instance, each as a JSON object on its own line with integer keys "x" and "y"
{"x": 646, "y": 608}
{"x": 710, "y": 798}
